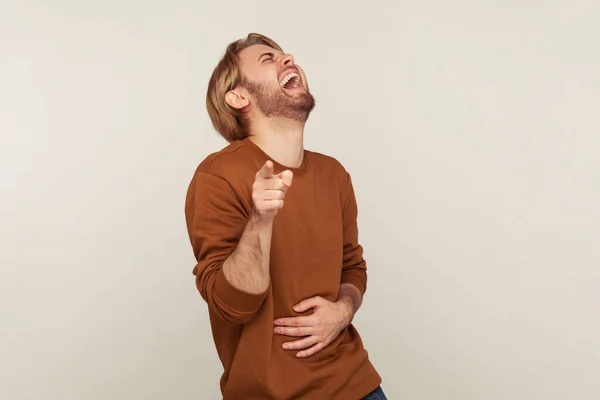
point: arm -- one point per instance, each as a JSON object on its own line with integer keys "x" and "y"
{"x": 350, "y": 300}
{"x": 353, "y": 283}
{"x": 232, "y": 245}
{"x": 247, "y": 268}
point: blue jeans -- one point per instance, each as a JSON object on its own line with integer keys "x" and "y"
{"x": 377, "y": 394}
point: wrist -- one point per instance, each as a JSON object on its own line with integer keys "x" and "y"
{"x": 346, "y": 307}
{"x": 261, "y": 220}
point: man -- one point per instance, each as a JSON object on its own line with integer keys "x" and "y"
{"x": 274, "y": 231}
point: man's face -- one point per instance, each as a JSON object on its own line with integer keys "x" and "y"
{"x": 275, "y": 84}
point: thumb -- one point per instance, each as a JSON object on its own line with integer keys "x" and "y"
{"x": 307, "y": 304}
{"x": 288, "y": 177}
{"x": 266, "y": 171}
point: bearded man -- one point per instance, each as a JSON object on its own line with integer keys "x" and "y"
{"x": 273, "y": 228}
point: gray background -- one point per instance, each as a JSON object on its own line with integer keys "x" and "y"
{"x": 472, "y": 133}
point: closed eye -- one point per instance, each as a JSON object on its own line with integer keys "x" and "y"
{"x": 266, "y": 57}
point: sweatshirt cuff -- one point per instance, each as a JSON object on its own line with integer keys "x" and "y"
{"x": 358, "y": 280}
{"x": 236, "y": 301}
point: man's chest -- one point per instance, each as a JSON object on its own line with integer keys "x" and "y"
{"x": 307, "y": 242}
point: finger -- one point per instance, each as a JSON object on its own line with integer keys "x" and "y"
{"x": 266, "y": 171}
{"x": 311, "y": 350}
{"x": 294, "y": 331}
{"x": 288, "y": 177}
{"x": 295, "y": 321}
{"x": 307, "y": 304}
{"x": 300, "y": 344}
{"x": 274, "y": 184}
{"x": 271, "y": 194}
{"x": 273, "y": 204}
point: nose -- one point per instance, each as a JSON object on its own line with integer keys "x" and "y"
{"x": 287, "y": 60}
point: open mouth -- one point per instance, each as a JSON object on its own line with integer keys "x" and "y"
{"x": 290, "y": 81}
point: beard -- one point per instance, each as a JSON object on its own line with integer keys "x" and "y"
{"x": 273, "y": 102}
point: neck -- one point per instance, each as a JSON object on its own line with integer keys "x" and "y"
{"x": 282, "y": 139}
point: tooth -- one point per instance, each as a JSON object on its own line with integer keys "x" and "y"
{"x": 291, "y": 75}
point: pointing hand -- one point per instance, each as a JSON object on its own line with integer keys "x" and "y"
{"x": 268, "y": 190}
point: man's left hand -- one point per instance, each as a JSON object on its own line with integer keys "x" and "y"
{"x": 318, "y": 329}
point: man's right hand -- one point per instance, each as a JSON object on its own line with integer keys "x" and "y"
{"x": 247, "y": 267}
{"x": 268, "y": 190}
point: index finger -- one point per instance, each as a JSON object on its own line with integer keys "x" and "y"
{"x": 266, "y": 171}
{"x": 295, "y": 321}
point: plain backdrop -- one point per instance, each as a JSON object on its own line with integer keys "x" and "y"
{"x": 472, "y": 133}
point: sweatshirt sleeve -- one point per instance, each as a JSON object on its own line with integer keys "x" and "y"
{"x": 354, "y": 268}
{"x": 216, "y": 220}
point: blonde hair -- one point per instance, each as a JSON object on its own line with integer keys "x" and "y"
{"x": 230, "y": 122}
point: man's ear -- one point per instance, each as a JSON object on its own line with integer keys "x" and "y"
{"x": 237, "y": 98}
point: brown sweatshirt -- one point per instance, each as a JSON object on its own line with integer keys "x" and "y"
{"x": 314, "y": 249}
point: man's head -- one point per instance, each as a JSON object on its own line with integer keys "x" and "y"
{"x": 256, "y": 76}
